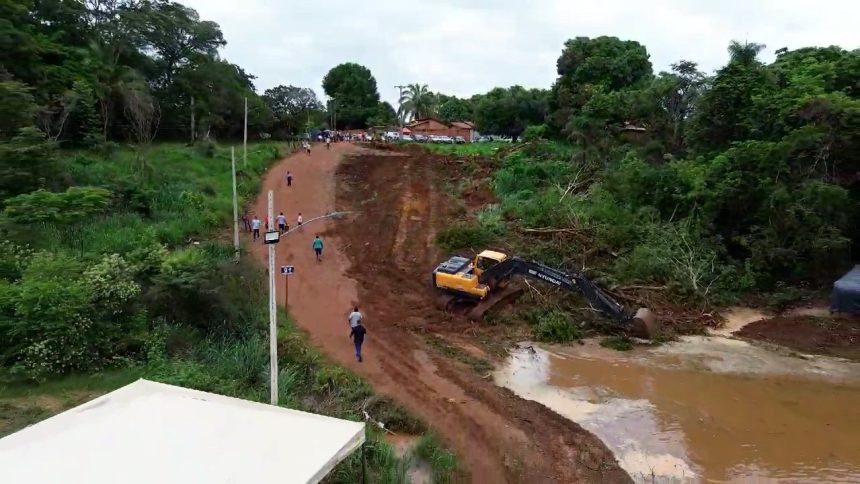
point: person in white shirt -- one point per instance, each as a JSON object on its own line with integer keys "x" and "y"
{"x": 300, "y": 219}
{"x": 355, "y": 318}
{"x": 328, "y": 143}
{"x": 282, "y": 222}
{"x": 255, "y": 226}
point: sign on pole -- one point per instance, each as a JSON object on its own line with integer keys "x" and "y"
{"x": 287, "y": 270}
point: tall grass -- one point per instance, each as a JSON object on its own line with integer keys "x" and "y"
{"x": 468, "y": 149}
{"x": 443, "y": 462}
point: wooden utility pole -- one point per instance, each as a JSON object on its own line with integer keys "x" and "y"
{"x": 193, "y": 132}
{"x": 245, "y": 138}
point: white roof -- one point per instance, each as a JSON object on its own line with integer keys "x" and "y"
{"x": 149, "y": 432}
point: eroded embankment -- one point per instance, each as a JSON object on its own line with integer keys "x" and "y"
{"x": 399, "y": 205}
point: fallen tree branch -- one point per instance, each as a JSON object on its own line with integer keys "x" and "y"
{"x": 646, "y": 288}
{"x": 551, "y": 230}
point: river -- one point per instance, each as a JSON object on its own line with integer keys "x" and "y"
{"x": 703, "y": 409}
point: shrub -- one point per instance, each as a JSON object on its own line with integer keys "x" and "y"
{"x": 205, "y": 148}
{"x": 13, "y": 259}
{"x": 617, "y": 343}
{"x": 60, "y": 317}
{"x": 534, "y": 132}
{"x": 555, "y": 327}
{"x": 466, "y": 236}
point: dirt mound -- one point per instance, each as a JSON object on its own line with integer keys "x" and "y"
{"x": 400, "y": 207}
{"x": 808, "y": 334}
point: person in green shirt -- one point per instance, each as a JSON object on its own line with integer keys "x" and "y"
{"x": 318, "y": 247}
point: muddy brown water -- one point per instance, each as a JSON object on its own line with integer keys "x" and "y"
{"x": 703, "y": 409}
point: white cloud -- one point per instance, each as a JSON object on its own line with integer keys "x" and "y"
{"x": 468, "y": 47}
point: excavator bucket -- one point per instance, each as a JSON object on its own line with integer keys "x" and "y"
{"x": 644, "y": 324}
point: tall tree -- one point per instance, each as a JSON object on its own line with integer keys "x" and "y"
{"x": 416, "y": 102}
{"x": 292, "y": 106}
{"x": 175, "y": 34}
{"x": 355, "y": 95}
{"x": 452, "y": 108}
{"x": 588, "y": 66}
{"x": 509, "y": 111}
{"x": 677, "y": 93}
{"x": 723, "y": 113}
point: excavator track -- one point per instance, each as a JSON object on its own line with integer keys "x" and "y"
{"x": 496, "y": 298}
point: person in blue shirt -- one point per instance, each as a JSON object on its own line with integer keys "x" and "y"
{"x": 318, "y": 247}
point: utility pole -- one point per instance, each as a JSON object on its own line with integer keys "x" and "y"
{"x": 235, "y": 204}
{"x": 273, "y": 313}
{"x": 245, "y": 138}
{"x": 193, "y": 133}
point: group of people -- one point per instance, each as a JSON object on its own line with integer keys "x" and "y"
{"x": 253, "y": 224}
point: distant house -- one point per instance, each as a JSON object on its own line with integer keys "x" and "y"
{"x": 467, "y": 130}
{"x": 433, "y": 126}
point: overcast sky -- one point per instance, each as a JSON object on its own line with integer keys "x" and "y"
{"x": 470, "y": 46}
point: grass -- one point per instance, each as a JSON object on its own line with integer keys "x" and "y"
{"x": 617, "y": 343}
{"x": 442, "y": 462}
{"x": 468, "y": 149}
{"x": 480, "y": 365}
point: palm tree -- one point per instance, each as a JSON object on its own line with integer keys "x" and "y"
{"x": 417, "y": 102}
{"x": 744, "y": 52}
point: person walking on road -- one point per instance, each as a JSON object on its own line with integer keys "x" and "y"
{"x": 355, "y": 317}
{"x": 289, "y": 179}
{"x": 328, "y": 143}
{"x": 299, "y": 220}
{"x": 282, "y": 223}
{"x": 255, "y": 226}
{"x": 307, "y": 147}
{"x": 318, "y": 247}
{"x": 357, "y": 333}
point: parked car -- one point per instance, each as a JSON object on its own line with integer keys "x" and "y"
{"x": 459, "y": 140}
{"x": 420, "y": 138}
{"x": 446, "y": 139}
{"x": 406, "y": 138}
{"x": 434, "y": 138}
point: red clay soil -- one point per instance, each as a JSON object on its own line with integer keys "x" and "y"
{"x": 380, "y": 258}
{"x": 839, "y": 336}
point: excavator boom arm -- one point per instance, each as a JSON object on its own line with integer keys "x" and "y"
{"x": 598, "y": 298}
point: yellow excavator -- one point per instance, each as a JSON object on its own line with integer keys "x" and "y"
{"x": 484, "y": 283}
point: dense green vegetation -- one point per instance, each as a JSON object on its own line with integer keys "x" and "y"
{"x": 715, "y": 187}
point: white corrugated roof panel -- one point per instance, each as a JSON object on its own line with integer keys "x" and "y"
{"x": 149, "y": 432}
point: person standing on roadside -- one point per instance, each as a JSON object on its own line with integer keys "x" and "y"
{"x": 318, "y": 247}
{"x": 246, "y": 220}
{"x": 282, "y": 223}
{"x": 357, "y": 333}
{"x": 289, "y": 179}
{"x": 255, "y": 226}
{"x": 299, "y": 220}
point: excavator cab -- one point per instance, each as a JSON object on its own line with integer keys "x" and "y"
{"x": 486, "y": 260}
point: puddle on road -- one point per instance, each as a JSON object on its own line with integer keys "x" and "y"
{"x": 703, "y": 409}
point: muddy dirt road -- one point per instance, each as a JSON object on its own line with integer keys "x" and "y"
{"x": 380, "y": 259}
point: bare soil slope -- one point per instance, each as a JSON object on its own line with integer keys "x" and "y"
{"x": 381, "y": 259}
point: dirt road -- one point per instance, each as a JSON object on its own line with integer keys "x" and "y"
{"x": 380, "y": 259}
